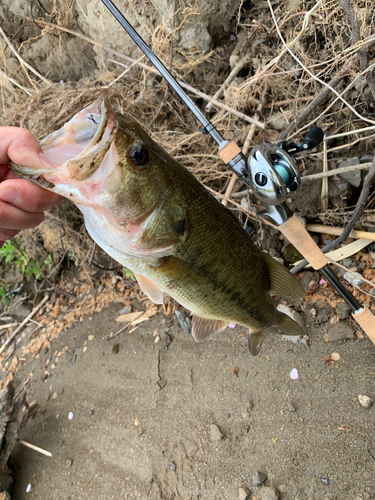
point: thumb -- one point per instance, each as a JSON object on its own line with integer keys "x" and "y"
{"x": 20, "y": 146}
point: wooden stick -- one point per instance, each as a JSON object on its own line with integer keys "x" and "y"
{"x": 35, "y": 448}
{"x": 9, "y": 325}
{"x": 336, "y": 171}
{"x": 325, "y": 179}
{"x": 232, "y": 75}
{"x": 19, "y": 328}
{"x": 337, "y": 231}
{"x": 229, "y": 189}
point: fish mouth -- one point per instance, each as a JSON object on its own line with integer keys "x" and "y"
{"x": 77, "y": 149}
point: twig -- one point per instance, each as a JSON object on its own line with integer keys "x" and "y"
{"x": 10, "y": 354}
{"x": 59, "y": 290}
{"x": 9, "y": 325}
{"x": 353, "y": 219}
{"x": 341, "y": 266}
{"x": 325, "y": 179}
{"x": 351, "y": 132}
{"x": 336, "y": 171}
{"x": 34, "y": 331}
{"x": 337, "y": 231}
{"x": 22, "y": 62}
{"x": 91, "y": 259}
{"x": 35, "y": 448}
{"x": 232, "y": 75}
{"x": 120, "y": 331}
{"x": 229, "y": 189}
{"x": 24, "y": 322}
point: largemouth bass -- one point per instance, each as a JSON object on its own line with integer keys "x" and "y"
{"x": 152, "y": 216}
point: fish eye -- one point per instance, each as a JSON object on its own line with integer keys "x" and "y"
{"x": 139, "y": 156}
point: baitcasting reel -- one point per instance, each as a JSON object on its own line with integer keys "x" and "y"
{"x": 273, "y": 173}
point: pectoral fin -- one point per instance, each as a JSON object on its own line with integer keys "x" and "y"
{"x": 149, "y": 288}
{"x": 204, "y": 327}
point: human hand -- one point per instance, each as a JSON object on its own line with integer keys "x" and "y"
{"x": 22, "y": 203}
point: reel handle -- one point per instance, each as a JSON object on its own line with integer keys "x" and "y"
{"x": 313, "y": 137}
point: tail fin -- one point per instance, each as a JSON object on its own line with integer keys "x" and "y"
{"x": 284, "y": 326}
{"x": 283, "y": 283}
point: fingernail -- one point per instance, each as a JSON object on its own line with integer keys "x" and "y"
{"x": 46, "y": 161}
{"x": 11, "y": 196}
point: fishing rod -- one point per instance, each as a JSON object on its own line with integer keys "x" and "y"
{"x": 271, "y": 173}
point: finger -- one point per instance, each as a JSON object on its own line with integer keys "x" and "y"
{"x": 7, "y": 234}
{"x": 19, "y": 145}
{"x": 13, "y": 218}
{"x": 27, "y": 196}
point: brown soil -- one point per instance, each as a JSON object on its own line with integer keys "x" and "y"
{"x": 143, "y": 412}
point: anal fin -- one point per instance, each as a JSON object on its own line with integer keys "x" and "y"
{"x": 149, "y": 288}
{"x": 204, "y": 327}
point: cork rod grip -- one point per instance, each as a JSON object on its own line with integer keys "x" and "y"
{"x": 366, "y": 321}
{"x": 293, "y": 230}
{"x": 229, "y": 151}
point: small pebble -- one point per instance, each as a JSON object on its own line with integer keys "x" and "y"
{"x": 325, "y": 480}
{"x": 70, "y": 416}
{"x": 242, "y": 493}
{"x": 172, "y": 466}
{"x": 28, "y": 488}
{"x": 183, "y": 321}
{"x": 335, "y": 356}
{"x": 294, "y": 374}
{"x": 54, "y": 395}
{"x": 126, "y": 310}
{"x": 84, "y": 348}
{"x": 68, "y": 463}
{"x": 259, "y": 478}
{"x": 215, "y": 434}
{"x": 115, "y": 348}
{"x": 365, "y": 401}
{"x": 91, "y": 337}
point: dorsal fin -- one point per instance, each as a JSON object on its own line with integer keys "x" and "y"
{"x": 204, "y": 327}
{"x": 149, "y": 288}
{"x": 283, "y": 282}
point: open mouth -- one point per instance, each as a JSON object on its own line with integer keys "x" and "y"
{"x": 77, "y": 148}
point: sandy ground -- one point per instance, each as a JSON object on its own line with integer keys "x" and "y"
{"x": 181, "y": 420}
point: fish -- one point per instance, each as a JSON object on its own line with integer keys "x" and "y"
{"x": 152, "y": 215}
